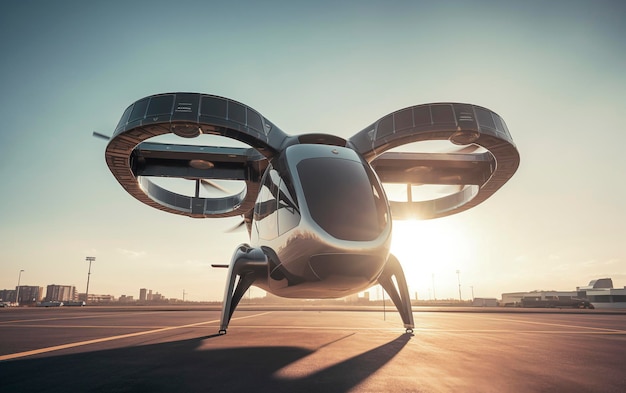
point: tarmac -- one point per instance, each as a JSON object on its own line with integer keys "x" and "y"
{"x": 136, "y": 349}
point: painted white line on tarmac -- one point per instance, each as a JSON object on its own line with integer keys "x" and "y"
{"x": 111, "y": 338}
{"x": 312, "y": 327}
{"x": 606, "y": 330}
{"x": 98, "y": 315}
{"x": 89, "y": 326}
{"x": 435, "y": 330}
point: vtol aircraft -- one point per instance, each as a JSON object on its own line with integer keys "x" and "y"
{"x": 318, "y": 218}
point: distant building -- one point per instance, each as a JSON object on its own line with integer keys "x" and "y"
{"x": 515, "y": 298}
{"x": 600, "y": 283}
{"x": 484, "y": 302}
{"x": 601, "y": 294}
{"x": 29, "y": 294}
{"x": 7, "y": 295}
{"x": 94, "y": 298}
{"x": 126, "y": 299}
{"x": 146, "y": 295}
{"x": 61, "y": 293}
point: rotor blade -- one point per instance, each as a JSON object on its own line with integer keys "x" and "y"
{"x": 451, "y": 189}
{"x": 101, "y": 136}
{"x": 237, "y": 227}
{"x": 466, "y": 149}
{"x": 207, "y": 184}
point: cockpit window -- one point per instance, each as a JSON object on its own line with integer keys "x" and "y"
{"x": 341, "y": 198}
{"x": 288, "y": 211}
{"x": 266, "y": 206}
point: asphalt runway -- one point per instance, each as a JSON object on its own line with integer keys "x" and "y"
{"x": 95, "y": 349}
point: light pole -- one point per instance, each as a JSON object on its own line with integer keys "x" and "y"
{"x": 384, "y": 309}
{"x": 88, "y": 259}
{"x": 17, "y": 292}
{"x": 434, "y": 296}
{"x": 458, "y": 275}
{"x": 471, "y": 286}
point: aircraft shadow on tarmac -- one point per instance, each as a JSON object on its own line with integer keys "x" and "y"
{"x": 180, "y": 367}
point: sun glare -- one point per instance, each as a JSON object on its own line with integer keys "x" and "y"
{"x": 427, "y": 248}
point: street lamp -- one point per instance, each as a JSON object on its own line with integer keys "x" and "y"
{"x": 17, "y": 292}
{"x": 458, "y": 275}
{"x": 434, "y": 296}
{"x": 88, "y": 259}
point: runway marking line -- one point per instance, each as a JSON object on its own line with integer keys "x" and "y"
{"x": 111, "y": 338}
{"x": 99, "y": 315}
{"x": 606, "y": 330}
{"x": 87, "y": 326}
{"x": 435, "y": 330}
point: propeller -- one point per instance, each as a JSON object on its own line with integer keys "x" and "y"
{"x": 445, "y": 189}
{"x": 421, "y": 191}
{"x": 425, "y": 169}
{"x": 101, "y": 136}
{"x": 236, "y": 227}
{"x": 451, "y": 189}
{"x": 465, "y": 149}
{"x": 210, "y": 185}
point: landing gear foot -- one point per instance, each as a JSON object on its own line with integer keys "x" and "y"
{"x": 409, "y": 331}
{"x": 222, "y": 332}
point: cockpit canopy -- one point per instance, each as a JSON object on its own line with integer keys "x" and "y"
{"x": 344, "y": 198}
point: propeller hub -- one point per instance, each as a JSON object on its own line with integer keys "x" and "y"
{"x": 464, "y": 137}
{"x": 186, "y": 131}
{"x": 201, "y": 164}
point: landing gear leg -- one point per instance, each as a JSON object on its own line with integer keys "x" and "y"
{"x": 247, "y": 264}
{"x": 399, "y": 293}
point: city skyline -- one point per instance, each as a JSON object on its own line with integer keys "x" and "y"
{"x": 553, "y": 72}
{"x": 56, "y": 292}
{"x": 147, "y": 295}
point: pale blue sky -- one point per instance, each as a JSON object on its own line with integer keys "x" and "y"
{"x": 554, "y": 72}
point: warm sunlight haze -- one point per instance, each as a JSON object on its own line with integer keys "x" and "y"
{"x": 431, "y": 251}
{"x": 554, "y": 71}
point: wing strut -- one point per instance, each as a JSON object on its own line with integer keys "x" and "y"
{"x": 249, "y": 264}
{"x": 398, "y": 291}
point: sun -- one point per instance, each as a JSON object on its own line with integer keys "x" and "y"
{"x": 429, "y": 251}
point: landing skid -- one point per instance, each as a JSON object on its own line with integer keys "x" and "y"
{"x": 398, "y": 290}
{"x": 247, "y": 264}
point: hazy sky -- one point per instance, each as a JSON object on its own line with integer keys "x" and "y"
{"x": 555, "y": 71}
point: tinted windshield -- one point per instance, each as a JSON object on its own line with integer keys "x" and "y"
{"x": 341, "y": 198}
